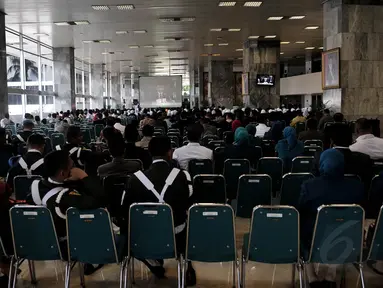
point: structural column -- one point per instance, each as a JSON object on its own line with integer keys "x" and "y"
{"x": 356, "y": 28}
{"x": 209, "y": 82}
{"x": 116, "y": 89}
{"x": 97, "y": 85}
{"x": 64, "y": 78}
{"x": 222, "y": 86}
{"x": 262, "y": 57}
{"x": 3, "y": 69}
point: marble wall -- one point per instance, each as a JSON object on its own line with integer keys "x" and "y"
{"x": 64, "y": 78}
{"x": 262, "y": 57}
{"x": 222, "y": 86}
{"x": 97, "y": 85}
{"x": 358, "y": 31}
{"x": 3, "y": 69}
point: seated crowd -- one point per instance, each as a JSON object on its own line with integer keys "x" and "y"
{"x": 137, "y": 145}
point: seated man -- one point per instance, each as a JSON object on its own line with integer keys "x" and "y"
{"x": 176, "y": 195}
{"x": 32, "y": 163}
{"x": 331, "y": 187}
{"x": 147, "y": 132}
{"x": 20, "y": 139}
{"x": 67, "y": 187}
{"x": 6, "y": 152}
{"x": 119, "y": 165}
{"x": 311, "y": 133}
{"x": 193, "y": 150}
{"x": 366, "y": 142}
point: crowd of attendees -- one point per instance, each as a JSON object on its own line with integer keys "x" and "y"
{"x": 131, "y": 147}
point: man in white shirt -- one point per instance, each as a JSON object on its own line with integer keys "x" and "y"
{"x": 366, "y": 142}
{"x": 193, "y": 150}
{"x": 5, "y": 121}
{"x": 262, "y": 128}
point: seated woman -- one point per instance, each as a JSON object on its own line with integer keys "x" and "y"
{"x": 289, "y": 147}
{"x": 252, "y": 130}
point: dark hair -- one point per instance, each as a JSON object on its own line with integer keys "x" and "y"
{"x": 56, "y": 161}
{"x": 109, "y": 132}
{"x": 363, "y": 124}
{"x": 37, "y": 118}
{"x": 36, "y": 140}
{"x": 54, "y": 115}
{"x": 148, "y": 130}
{"x": 338, "y": 117}
{"x": 117, "y": 120}
{"x": 312, "y": 124}
{"x": 194, "y": 132}
{"x": 73, "y": 133}
{"x": 159, "y": 146}
{"x": 110, "y": 121}
{"x": 341, "y": 136}
{"x": 116, "y": 145}
{"x": 326, "y": 111}
{"x": 6, "y": 115}
{"x": 261, "y": 119}
{"x": 299, "y": 113}
{"x": 229, "y": 115}
{"x": 131, "y": 133}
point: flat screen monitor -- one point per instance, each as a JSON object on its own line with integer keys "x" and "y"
{"x": 265, "y": 80}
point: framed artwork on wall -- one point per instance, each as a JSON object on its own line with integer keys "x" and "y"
{"x": 245, "y": 83}
{"x": 331, "y": 69}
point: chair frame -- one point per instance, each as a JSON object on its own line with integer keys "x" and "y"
{"x": 24, "y": 176}
{"x": 299, "y": 265}
{"x": 16, "y": 261}
{"x": 300, "y": 158}
{"x": 290, "y": 173}
{"x": 235, "y": 262}
{"x": 130, "y": 257}
{"x": 210, "y": 175}
{"x": 360, "y": 263}
{"x": 70, "y": 264}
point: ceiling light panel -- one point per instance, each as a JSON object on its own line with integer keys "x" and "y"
{"x": 252, "y": 4}
{"x": 320, "y": 48}
{"x": 100, "y": 7}
{"x": 253, "y": 37}
{"x": 300, "y": 42}
{"x": 121, "y": 32}
{"x": 104, "y": 41}
{"x": 215, "y": 54}
{"x": 134, "y": 46}
{"x": 227, "y": 3}
{"x": 270, "y": 36}
{"x": 297, "y": 17}
{"x": 239, "y": 50}
{"x": 223, "y": 44}
{"x": 208, "y": 45}
{"x": 148, "y": 46}
{"x": 275, "y": 18}
{"x": 62, "y": 23}
{"x": 282, "y": 53}
{"x": 312, "y": 27}
{"x": 285, "y": 42}
{"x": 125, "y": 7}
{"x": 140, "y": 31}
{"x": 87, "y": 41}
{"x": 310, "y": 48}
{"x": 234, "y": 29}
{"x": 216, "y": 29}
{"x": 82, "y": 22}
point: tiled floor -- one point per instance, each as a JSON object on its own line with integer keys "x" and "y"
{"x": 51, "y": 274}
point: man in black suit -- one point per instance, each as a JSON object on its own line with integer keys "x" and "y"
{"x": 21, "y": 138}
{"x": 177, "y": 195}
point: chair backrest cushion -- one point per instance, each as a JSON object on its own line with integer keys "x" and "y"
{"x": 209, "y": 188}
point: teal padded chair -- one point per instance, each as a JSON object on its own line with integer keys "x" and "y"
{"x": 233, "y": 169}
{"x": 264, "y": 243}
{"x": 303, "y": 164}
{"x": 86, "y": 136}
{"x": 57, "y": 139}
{"x": 174, "y": 133}
{"x": 272, "y": 166}
{"x": 312, "y": 150}
{"x": 209, "y": 188}
{"x": 97, "y": 129}
{"x": 253, "y": 190}
{"x": 268, "y": 148}
{"x": 34, "y": 239}
{"x": 377, "y": 166}
{"x": 151, "y": 233}
{"x": 174, "y": 139}
{"x": 338, "y": 236}
{"x": 91, "y": 240}
{"x": 228, "y": 137}
{"x": 219, "y": 159}
{"x": 314, "y": 143}
{"x": 300, "y": 127}
{"x": 291, "y": 187}
{"x": 376, "y": 250}
{"x": 215, "y": 143}
{"x": 258, "y": 154}
{"x": 352, "y": 176}
{"x": 22, "y": 185}
{"x": 174, "y": 130}
{"x": 157, "y": 133}
{"x": 48, "y": 146}
{"x": 117, "y": 187}
{"x": 214, "y": 222}
{"x": 207, "y": 139}
{"x": 200, "y": 166}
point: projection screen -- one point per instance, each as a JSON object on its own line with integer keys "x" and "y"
{"x": 160, "y": 91}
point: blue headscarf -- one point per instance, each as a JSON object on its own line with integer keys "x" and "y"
{"x": 290, "y": 135}
{"x": 331, "y": 163}
{"x": 241, "y": 137}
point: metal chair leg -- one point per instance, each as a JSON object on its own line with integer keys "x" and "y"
{"x": 68, "y": 269}
{"x": 238, "y": 274}
{"x": 10, "y": 276}
{"x": 234, "y": 269}
{"x": 294, "y": 268}
{"x": 183, "y": 285}
{"x": 243, "y": 271}
{"x": 126, "y": 272}
{"x": 32, "y": 272}
{"x": 82, "y": 276}
{"x": 122, "y": 269}
{"x": 301, "y": 277}
{"x": 133, "y": 281}
{"x": 17, "y": 263}
{"x": 179, "y": 273}
{"x": 361, "y": 275}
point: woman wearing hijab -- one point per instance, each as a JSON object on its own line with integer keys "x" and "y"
{"x": 331, "y": 187}
{"x": 252, "y": 130}
{"x": 289, "y": 147}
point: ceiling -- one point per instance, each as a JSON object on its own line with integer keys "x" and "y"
{"x": 38, "y": 16}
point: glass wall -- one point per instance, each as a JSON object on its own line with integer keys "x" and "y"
{"x": 30, "y": 76}
{"x": 82, "y": 84}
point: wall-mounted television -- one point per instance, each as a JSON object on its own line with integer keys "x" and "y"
{"x": 265, "y": 80}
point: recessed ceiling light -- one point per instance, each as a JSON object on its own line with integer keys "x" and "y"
{"x": 252, "y": 4}
{"x": 282, "y": 53}
{"x": 208, "y": 45}
{"x": 234, "y": 29}
{"x": 140, "y": 31}
{"x": 204, "y": 54}
{"x": 296, "y": 17}
{"x": 134, "y": 46}
{"x": 216, "y": 29}
{"x": 82, "y": 22}
{"x": 148, "y": 46}
{"x": 311, "y": 27}
{"x": 300, "y": 42}
{"x": 125, "y": 7}
{"x": 310, "y": 48}
{"x": 215, "y": 54}
{"x": 87, "y": 41}
{"x": 62, "y": 23}
{"x": 101, "y": 7}
{"x": 320, "y": 48}
{"x": 270, "y": 36}
{"x": 285, "y": 42}
{"x": 104, "y": 41}
{"x": 223, "y": 44}
{"x": 227, "y": 3}
{"x": 253, "y": 37}
{"x": 41, "y": 34}
{"x": 275, "y": 18}
{"x": 239, "y": 50}
{"x": 120, "y": 32}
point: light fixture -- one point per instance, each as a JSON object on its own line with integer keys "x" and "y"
{"x": 227, "y": 3}
{"x": 103, "y": 41}
{"x": 312, "y": 27}
{"x": 300, "y": 42}
{"x": 87, "y": 41}
{"x": 320, "y": 48}
{"x": 140, "y": 31}
{"x": 82, "y": 22}
{"x": 270, "y": 36}
{"x": 223, "y": 44}
{"x": 40, "y": 34}
{"x": 239, "y": 50}
{"x": 177, "y": 19}
{"x": 253, "y": 37}
{"x": 101, "y": 7}
{"x": 282, "y": 53}
{"x": 62, "y": 23}
{"x": 208, "y": 45}
{"x": 234, "y": 29}
{"x": 216, "y": 29}
{"x": 120, "y": 32}
{"x": 285, "y": 42}
{"x": 134, "y": 46}
{"x": 107, "y": 53}
{"x": 148, "y": 46}
{"x": 310, "y": 48}
{"x": 275, "y": 18}
{"x": 215, "y": 54}
{"x": 125, "y": 7}
{"x": 204, "y": 54}
{"x": 296, "y": 17}
{"x": 252, "y": 4}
